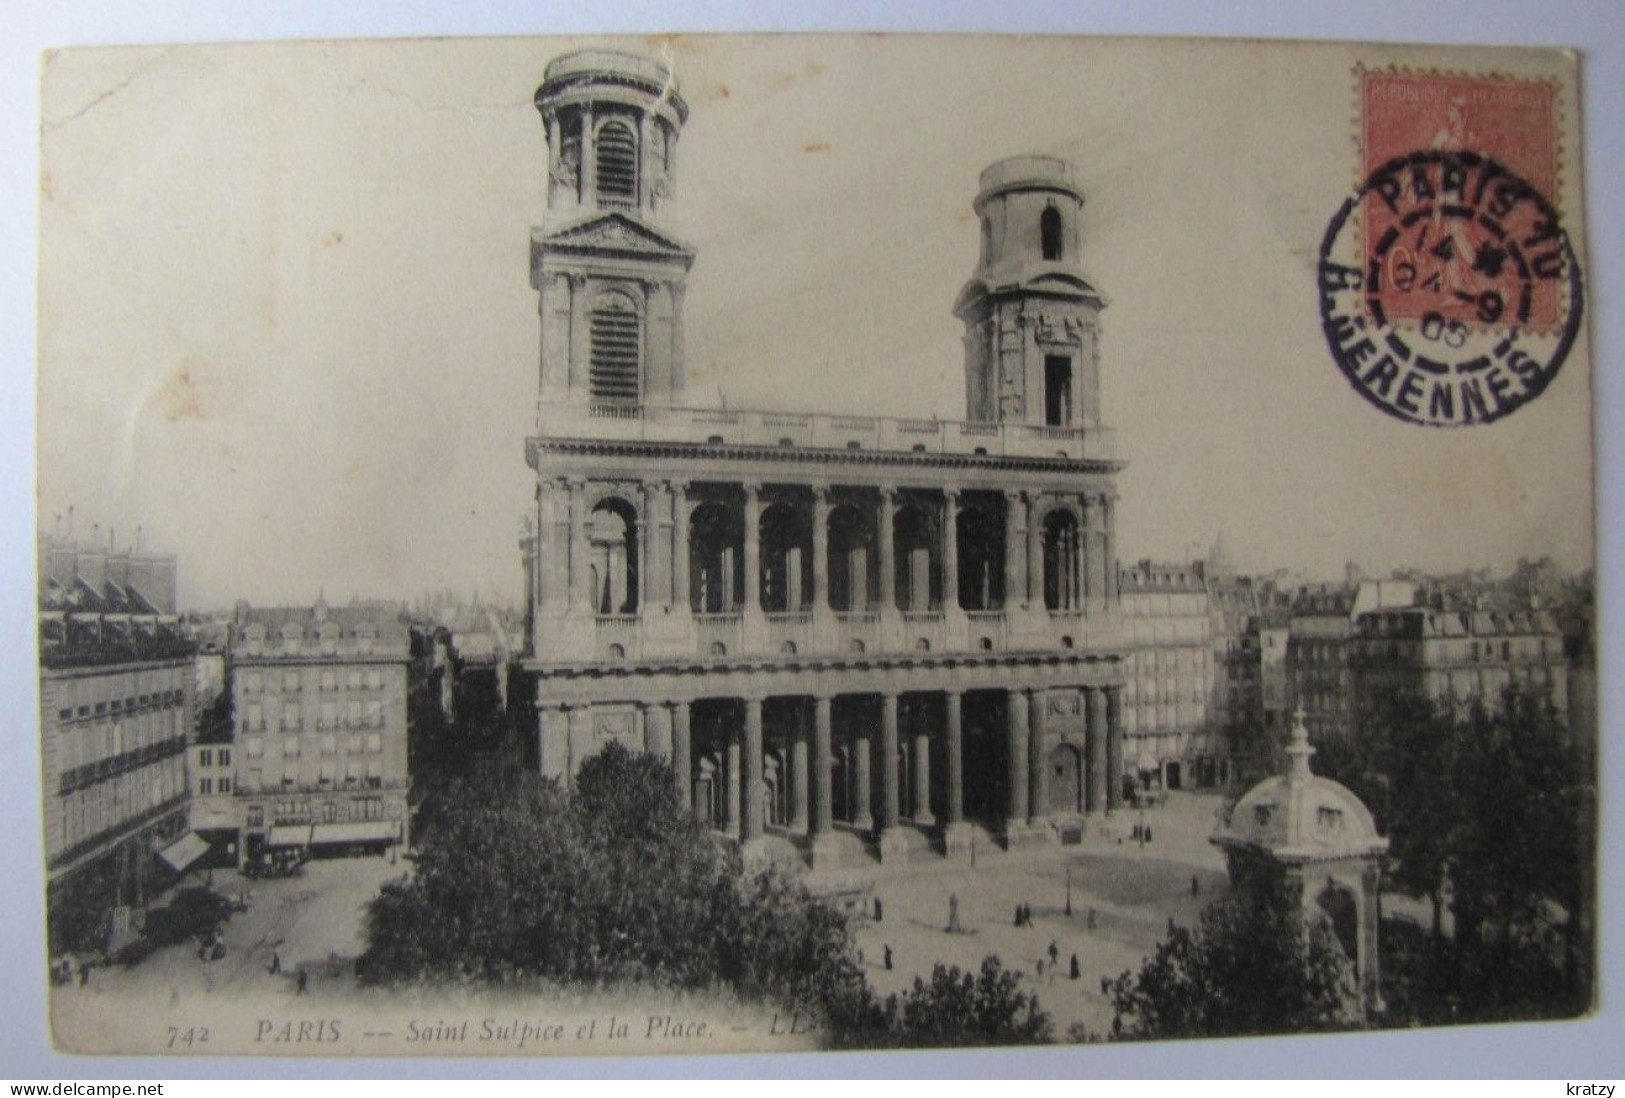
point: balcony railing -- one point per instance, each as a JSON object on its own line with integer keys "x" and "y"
{"x": 924, "y": 616}
{"x": 789, "y": 617}
{"x": 858, "y": 617}
{"x": 744, "y": 427}
{"x": 727, "y": 617}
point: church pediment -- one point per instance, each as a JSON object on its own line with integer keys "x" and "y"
{"x": 615, "y": 234}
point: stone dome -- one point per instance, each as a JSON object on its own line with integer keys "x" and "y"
{"x": 1299, "y": 817}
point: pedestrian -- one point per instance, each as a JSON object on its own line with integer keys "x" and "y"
{"x": 1018, "y": 914}
{"x": 879, "y": 911}
{"x": 1040, "y": 969}
{"x": 84, "y": 974}
{"x": 1196, "y": 885}
{"x": 888, "y": 958}
{"x": 304, "y": 980}
{"x": 1091, "y": 918}
{"x": 276, "y": 963}
{"x": 1054, "y": 952}
{"x": 953, "y": 913}
{"x": 1075, "y": 972}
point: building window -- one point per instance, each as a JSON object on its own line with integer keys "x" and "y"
{"x": 205, "y": 786}
{"x": 1057, "y": 390}
{"x": 205, "y": 757}
{"x": 225, "y": 756}
{"x": 1049, "y": 232}
{"x": 330, "y": 680}
{"x": 225, "y": 785}
{"x": 290, "y": 680}
{"x": 256, "y": 815}
{"x": 617, "y": 149}
{"x": 617, "y": 336}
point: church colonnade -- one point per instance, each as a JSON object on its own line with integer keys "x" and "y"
{"x": 611, "y": 548}
{"x": 805, "y": 764}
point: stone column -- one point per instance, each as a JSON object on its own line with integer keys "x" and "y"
{"x": 889, "y": 793}
{"x": 682, "y": 754}
{"x": 954, "y": 744}
{"x": 553, "y": 741}
{"x": 646, "y": 543}
{"x": 950, "y": 550}
{"x": 580, "y": 573}
{"x": 1035, "y": 553}
{"x": 820, "y": 549}
{"x": 734, "y": 780}
{"x": 888, "y": 566}
{"x": 920, "y": 758}
{"x": 657, "y": 731}
{"x": 1016, "y": 759}
{"x": 1015, "y": 553}
{"x": 751, "y": 787}
{"x": 576, "y": 376}
{"x": 1108, "y": 509}
{"x": 1114, "y": 748}
{"x": 654, "y": 570}
{"x": 1095, "y": 793}
{"x": 798, "y": 773}
{"x": 1037, "y": 762}
{"x": 547, "y": 567}
{"x": 862, "y": 793}
{"x": 1094, "y": 558}
{"x": 823, "y": 804}
{"x": 753, "y": 548}
{"x": 589, "y": 159}
{"x": 645, "y": 163}
{"x": 679, "y": 545}
{"x": 554, "y": 147}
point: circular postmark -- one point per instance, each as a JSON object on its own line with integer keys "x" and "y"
{"x": 1449, "y": 292}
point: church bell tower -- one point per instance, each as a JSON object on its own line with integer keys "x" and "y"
{"x": 1031, "y": 318}
{"x": 610, "y": 278}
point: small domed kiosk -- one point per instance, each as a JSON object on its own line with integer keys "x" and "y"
{"x": 1318, "y": 837}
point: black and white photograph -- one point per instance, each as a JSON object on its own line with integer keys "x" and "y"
{"x": 713, "y": 544}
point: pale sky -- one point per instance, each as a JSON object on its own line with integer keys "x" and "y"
{"x": 286, "y": 324}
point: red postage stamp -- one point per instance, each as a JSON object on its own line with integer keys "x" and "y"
{"x": 1435, "y": 260}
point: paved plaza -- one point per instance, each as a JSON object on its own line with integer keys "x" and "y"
{"x": 1133, "y": 890}
{"x": 314, "y": 921}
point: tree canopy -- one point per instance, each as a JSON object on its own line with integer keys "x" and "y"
{"x": 618, "y": 883}
{"x": 1491, "y": 815}
{"x": 1251, "y": 966}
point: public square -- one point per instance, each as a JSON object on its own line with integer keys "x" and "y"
{"x": 314, "y": 922}
{"x": 1133, "y": 890}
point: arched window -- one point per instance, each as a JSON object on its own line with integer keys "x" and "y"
{"x": 617, "y": 337}
{"x": 1049, "y": 231}
{"x": 617, "y": 150}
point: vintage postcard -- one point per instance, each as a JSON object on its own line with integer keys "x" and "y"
{"x": 710, "y": 544}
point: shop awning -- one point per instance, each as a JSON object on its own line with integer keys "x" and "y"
{"x": 186, "y": 850}
{"x": 289, "y": 835}
{"x": 356, "y": 831}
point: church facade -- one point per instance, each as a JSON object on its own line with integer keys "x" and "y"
{"x": 861, "y": 636}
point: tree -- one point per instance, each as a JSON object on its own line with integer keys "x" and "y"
{"x": 1252, "y": 966}
{"x": 1496, "y": 812}
{"x": 1403, "y": 761}
{"x": 616, "y": 883}
{"x": 957, "y": 1008}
